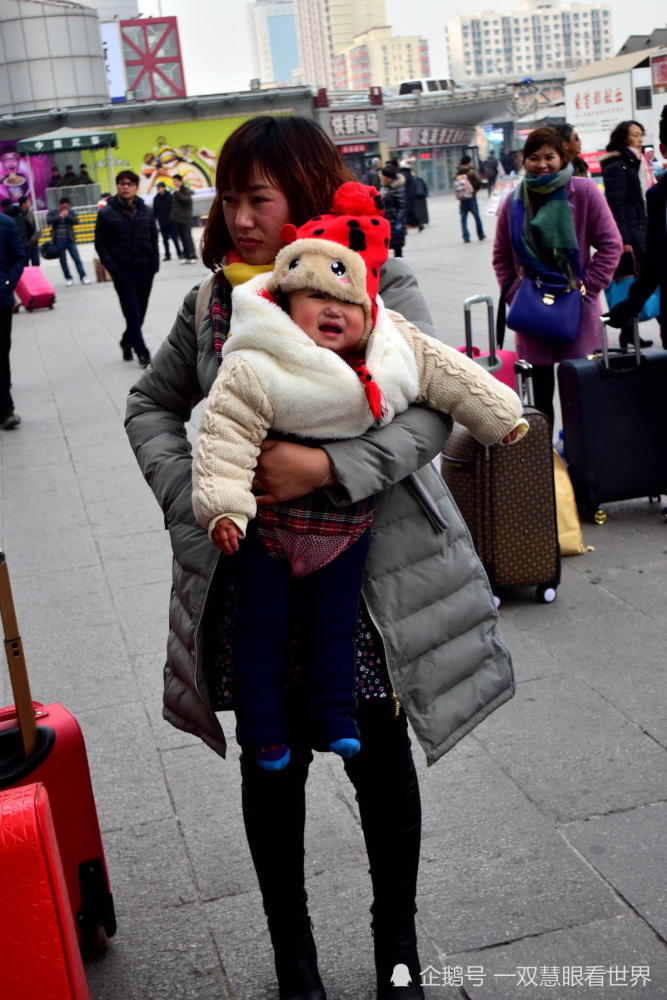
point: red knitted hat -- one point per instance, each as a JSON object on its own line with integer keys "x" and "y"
{"x": 340, "y": 253}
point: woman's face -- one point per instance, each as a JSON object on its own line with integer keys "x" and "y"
{"x": 573, "y": 145}
{"x": 544, "y": 160}
{"x": 635, "y": 137}
{"x": 254, "y": 218}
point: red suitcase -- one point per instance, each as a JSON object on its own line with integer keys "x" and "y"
{"x": 499, "y": 363}
{"x": 39, "y": 953}
{"x": 44, "y": 743}
{"x": 35, "y": 290}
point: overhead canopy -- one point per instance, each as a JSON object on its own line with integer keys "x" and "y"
{"x": 64, "y": 139}
{"x": 617, "y": 64}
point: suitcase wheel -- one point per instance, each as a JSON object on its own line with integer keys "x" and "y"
{"x": 94, "y": 942}
{"x": 546, "y": 594}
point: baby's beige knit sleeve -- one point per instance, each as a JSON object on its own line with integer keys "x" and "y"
{"x": 452, "y": 383}
{"x": 235, "y": 422}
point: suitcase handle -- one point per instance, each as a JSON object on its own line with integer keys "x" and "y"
{"x": 18, "y": 674}
{"x": 524, "y": 382}
{"x": 605, "y": 343}
{"x": 467, "y": 306}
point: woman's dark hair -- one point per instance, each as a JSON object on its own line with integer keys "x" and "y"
{"x": 292, "y": 153}
{"x": 564, "y": 130}
{"x": 619, "y": 136}
{"x": 544, "y": 137}
{"x": 663, "y": 126}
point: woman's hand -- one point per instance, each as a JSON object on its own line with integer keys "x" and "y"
{"x": 225, "y": 536}
{"x": 286, "y": 470}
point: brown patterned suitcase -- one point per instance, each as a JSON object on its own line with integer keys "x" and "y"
{"x": 507, "y": 498}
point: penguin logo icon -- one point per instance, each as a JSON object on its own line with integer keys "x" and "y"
{"x": 401, "y": 975}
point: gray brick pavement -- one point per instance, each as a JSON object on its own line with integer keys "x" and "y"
{"x": 544, "y": 844}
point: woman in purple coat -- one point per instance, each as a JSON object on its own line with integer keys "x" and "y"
{"x": 566, "y": 217}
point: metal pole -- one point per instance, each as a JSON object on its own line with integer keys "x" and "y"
{"x": 110, "y": 179}
{"x": 31, "y": 182}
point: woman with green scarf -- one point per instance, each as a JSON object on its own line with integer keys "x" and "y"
{"x": 556, "y": 223}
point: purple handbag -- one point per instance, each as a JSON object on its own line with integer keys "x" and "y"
{"x": 546, "y": 309}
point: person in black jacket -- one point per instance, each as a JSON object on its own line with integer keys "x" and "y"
{"x": 62, "y": 221}
{"x": 11, "y": 266}
{"x": 70, "y": 177}
{"x": 653, "y": 272}
{"x": 27, "y": 227}
{"x": 127, "y": 244}
{"x": 393, "y": 202}
{"x": 625, "y": 182}
{"x": 181, "y": 216}
{"x": 162, "y": 205}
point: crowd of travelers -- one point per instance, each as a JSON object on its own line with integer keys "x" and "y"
{"x": 302, "y": 277}
{"x": 126, "y": 230}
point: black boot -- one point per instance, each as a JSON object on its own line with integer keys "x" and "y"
{"x": 396, "y": 960}
{"x": 384, "y": 776}
{"x": 626, "y": 340}
{"x": 274, "y": 816}
{"x": 296, "y": 958}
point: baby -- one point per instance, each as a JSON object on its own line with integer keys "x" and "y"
{"x": 314, "y": 355}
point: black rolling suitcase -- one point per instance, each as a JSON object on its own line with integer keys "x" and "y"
{"x": 613, "y": 424}
{"x": 507, "y": 498}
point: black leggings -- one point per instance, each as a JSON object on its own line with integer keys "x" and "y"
{"x": 544, "y": 384}
{"x": 385, "y": 780}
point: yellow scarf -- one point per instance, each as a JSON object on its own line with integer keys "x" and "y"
{"x": 237, "y": 272}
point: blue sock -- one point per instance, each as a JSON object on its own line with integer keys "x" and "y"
{"x": 346, "y": 747}
{"x": 273, "y": 758}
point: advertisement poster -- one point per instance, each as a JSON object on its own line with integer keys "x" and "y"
{"x": 157, "y": 152}
{"x": 114, "y": 64}
{"x": 659, "y": 74}
{"x": 15, "y": 175}
{"x": 596, "y": 106}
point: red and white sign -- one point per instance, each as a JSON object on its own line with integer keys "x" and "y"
{"x": 415, "y": 136}
{"x": 659, "y": 74}
{"x": 152, "y": 54}
{"x": 596, "y": 106}
{"x": 593, "y": 161}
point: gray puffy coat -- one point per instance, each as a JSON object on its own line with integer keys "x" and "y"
{"x": 425, "y": 588}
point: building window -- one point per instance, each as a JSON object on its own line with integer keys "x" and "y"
{"x": 643, "y": 99}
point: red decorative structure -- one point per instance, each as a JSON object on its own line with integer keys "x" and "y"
{"x": 152, "y": 55}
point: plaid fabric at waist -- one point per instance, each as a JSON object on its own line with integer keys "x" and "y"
{"x": 310, "y": 531}
{"x": 314, "y": 514}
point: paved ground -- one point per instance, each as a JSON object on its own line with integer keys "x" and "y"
{"x": 544, "y": 852}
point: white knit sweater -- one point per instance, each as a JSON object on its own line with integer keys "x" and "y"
{"x": 274, "y": 376}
